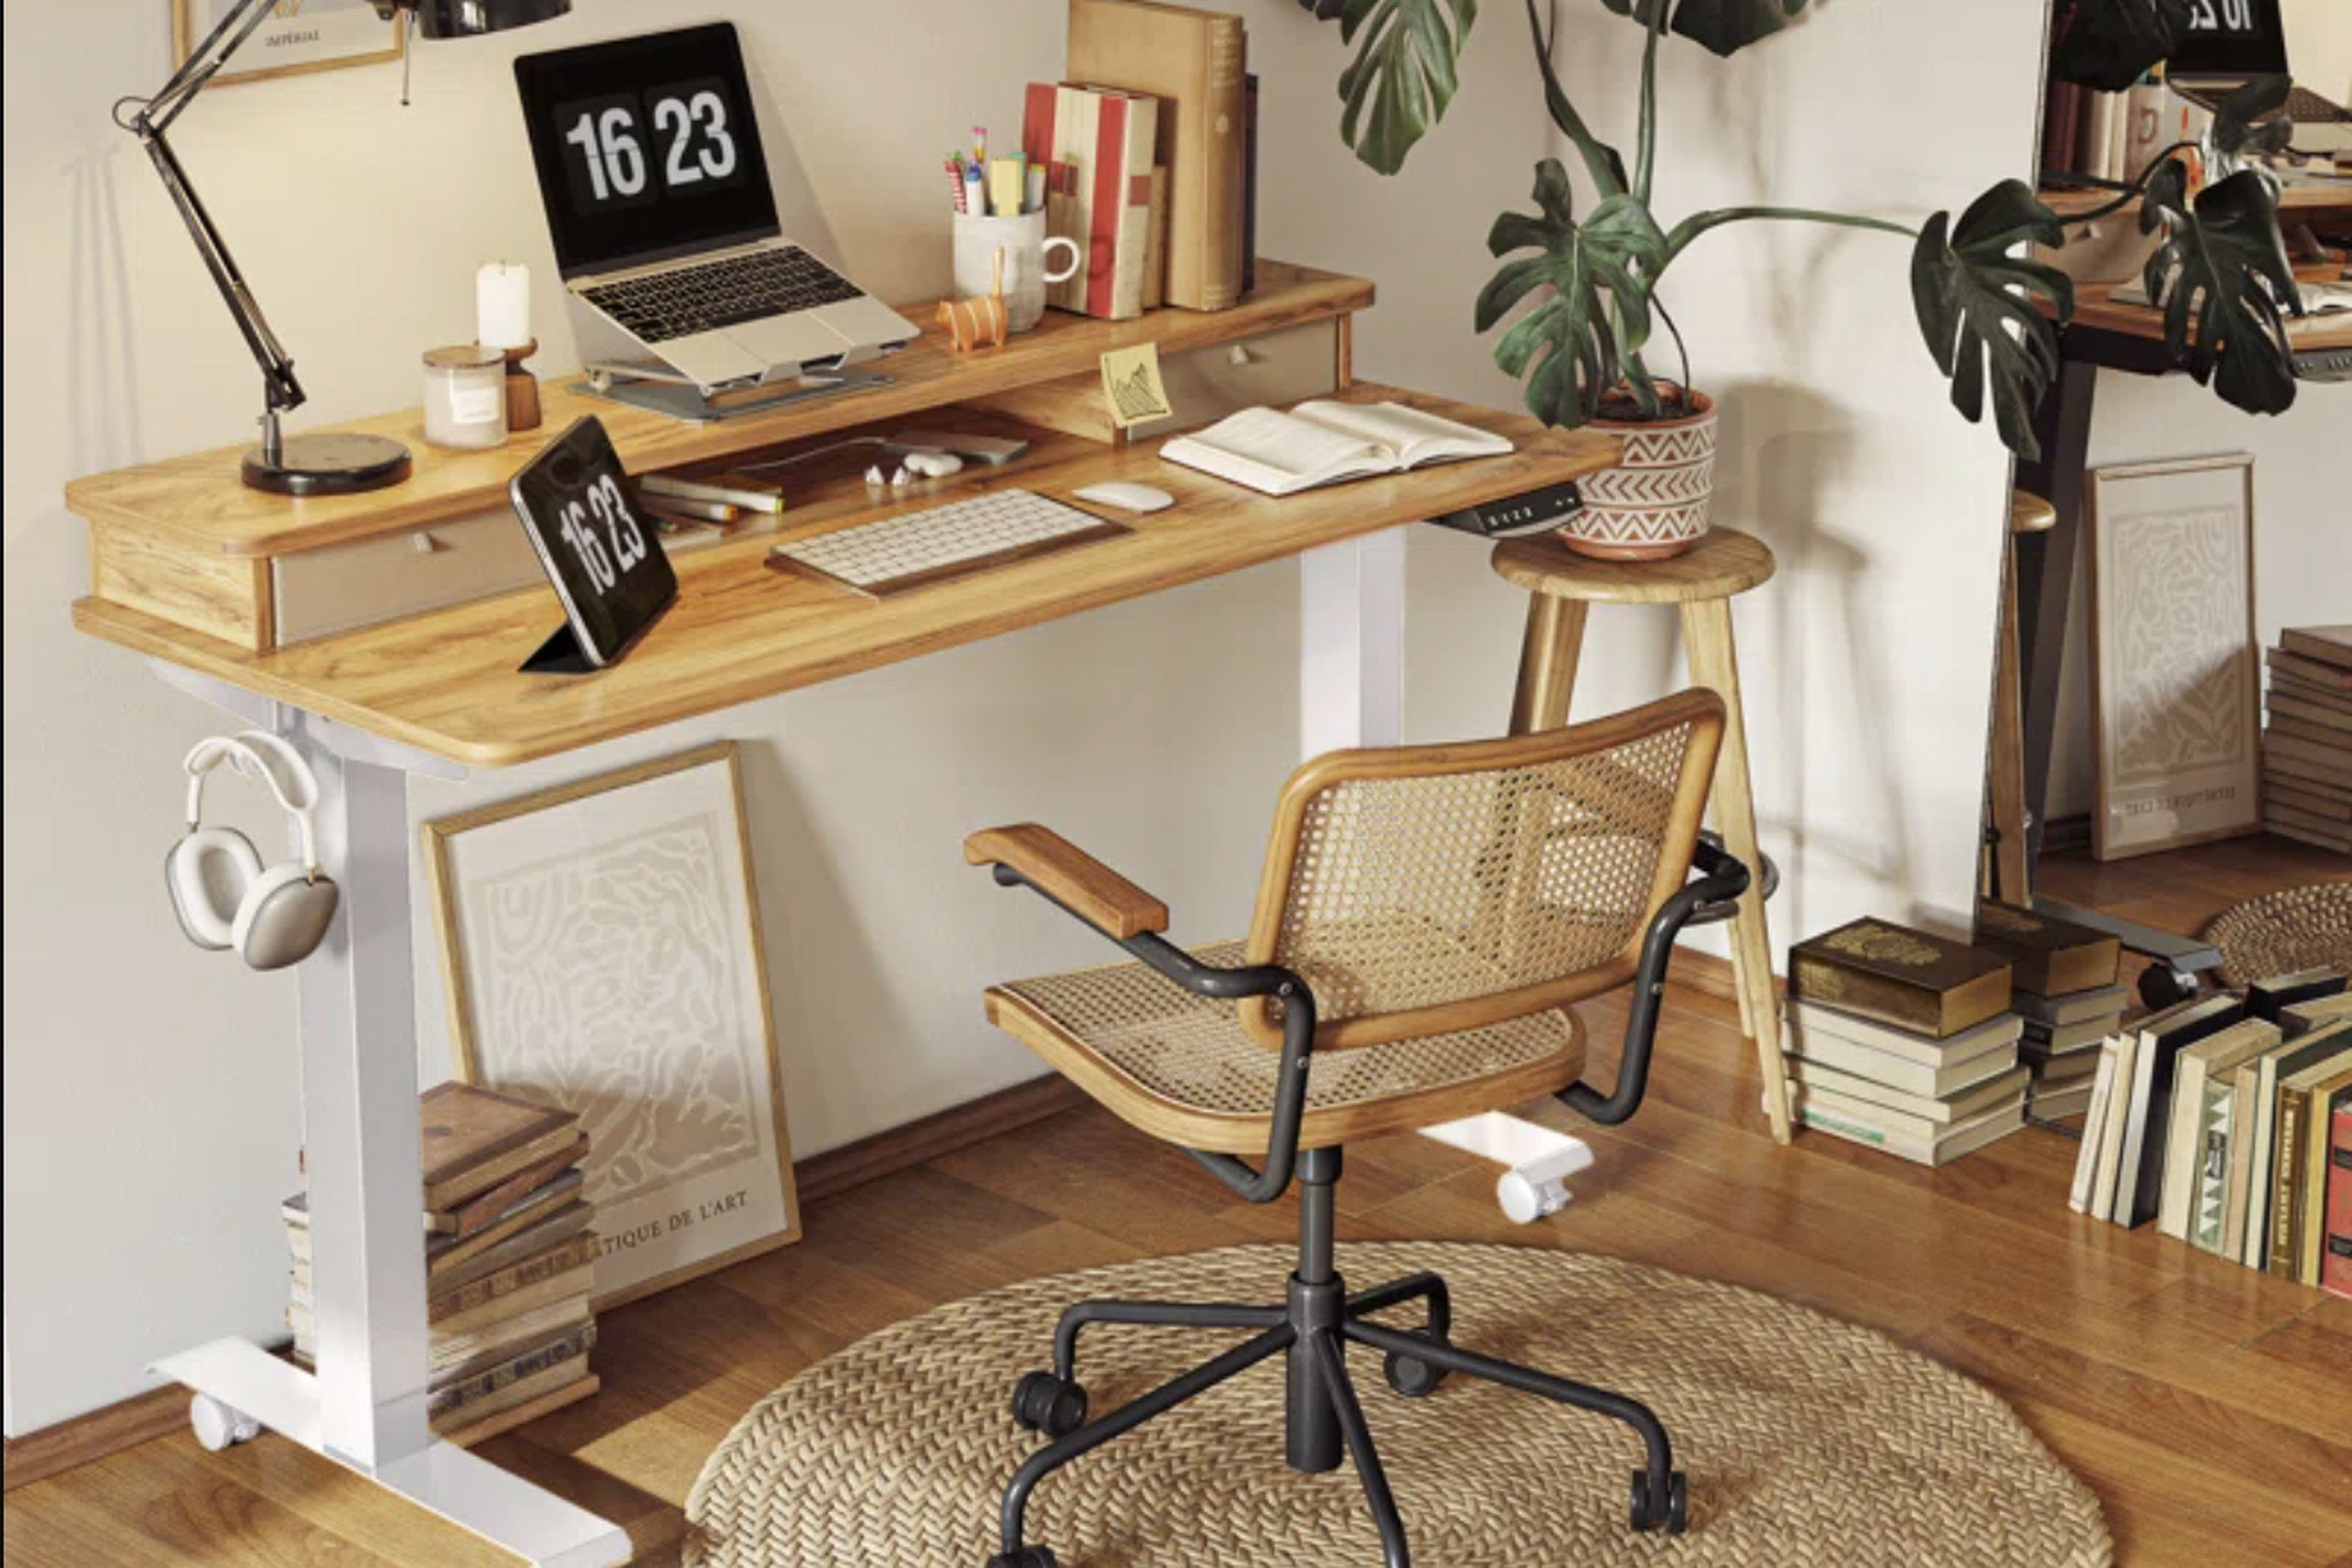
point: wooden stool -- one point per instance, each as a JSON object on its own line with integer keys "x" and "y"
{"x": 2005, "y": 871}
{"x": 1562, "y": 586}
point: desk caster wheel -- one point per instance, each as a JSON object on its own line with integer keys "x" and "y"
{"x": 1026, "y": 1557}
{"x": 1673, "y": 1511}
{"x": 1043, "y": 1402}
{"x": 1410, "y": 1375}
{"x": 221, "y": 1425}
{"x": 2161, "y": 985}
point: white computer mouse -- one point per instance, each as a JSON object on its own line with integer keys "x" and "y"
{"x": 1126, "y": 494}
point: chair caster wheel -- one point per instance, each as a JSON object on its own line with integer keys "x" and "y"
{"x": 1410, "y": 1375}
{"x": 1674, "y": 1515}
{"x": 2161, "y": 985}
{"x": 1043, "y": 1402}
{"x": 221, "y": 1425}
{"x": 1026, "y": 1557}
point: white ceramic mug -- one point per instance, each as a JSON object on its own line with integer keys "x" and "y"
{"x": 1022, "y": 238}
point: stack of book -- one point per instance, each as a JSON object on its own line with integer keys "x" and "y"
{"x": 1902, "y": 1041}
{"x": 2062, "y": 984}
{"x": 2306, "y": 738}
{"x": 510, "y": 1263}
{"x": 2217, "y": 1121}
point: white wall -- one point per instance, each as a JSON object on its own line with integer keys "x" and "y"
{"x": 151, "y": 1113}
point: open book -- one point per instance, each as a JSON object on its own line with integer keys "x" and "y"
{"x": 1323, "y": 443}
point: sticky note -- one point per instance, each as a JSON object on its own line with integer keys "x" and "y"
{"x": 1131, "y": 385}
{"x": 1008, "y": 186}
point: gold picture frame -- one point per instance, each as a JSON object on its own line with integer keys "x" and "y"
{"x": 570, "y": 981}
{"x": 299, "y": 37}
{"x": 2175, "y": 655}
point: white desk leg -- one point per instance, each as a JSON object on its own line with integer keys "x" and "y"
{"x": 365, "y": 1406}
{"x": 1352, "y": 693}
{"x": 1352, "y": 644}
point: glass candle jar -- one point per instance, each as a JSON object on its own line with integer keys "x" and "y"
{"x": 466, "y": 397}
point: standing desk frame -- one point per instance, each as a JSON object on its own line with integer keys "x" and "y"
{"x": 435, "y": 696}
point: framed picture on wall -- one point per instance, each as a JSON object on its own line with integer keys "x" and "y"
{"x": 600, "y": 948}
{"x": 299, "y": 35}
{"x": 2174, "y": 659}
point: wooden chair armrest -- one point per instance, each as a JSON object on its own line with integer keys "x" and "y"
{"x": 1070, "y": 877}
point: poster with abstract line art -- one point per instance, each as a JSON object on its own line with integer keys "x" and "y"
{"x": 599, "y": 944}
{"x": 297, "y": 35}
{"x": 2175, "y": 657}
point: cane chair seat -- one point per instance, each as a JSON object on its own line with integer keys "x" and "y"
{"x": 1182, "y": 1067}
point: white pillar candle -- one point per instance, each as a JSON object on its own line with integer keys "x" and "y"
{"x": 502, "y": 294}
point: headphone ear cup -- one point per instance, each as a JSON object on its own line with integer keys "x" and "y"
{"x": 208, "y": 874}
{"x": 284, "y": 916}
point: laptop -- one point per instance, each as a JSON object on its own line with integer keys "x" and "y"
{"x": 2230, "y": 41}
{"x": 674, "y": 266}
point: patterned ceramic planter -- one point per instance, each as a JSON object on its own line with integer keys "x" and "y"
{"x": 1656, "y": 502}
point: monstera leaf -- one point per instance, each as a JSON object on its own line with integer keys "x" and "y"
{"x": 2219, "y": 273}
{"x": 2237, "y": 128}
{"x": 1402, "y": 75}
{"x": 2110, "y": 44}
{"x": 1975, "y": 304}
{"x": 1597, "y": 316}
{"x": 1723, "y": 26}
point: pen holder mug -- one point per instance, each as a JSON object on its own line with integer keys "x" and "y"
{"x": 1022, "y": 238}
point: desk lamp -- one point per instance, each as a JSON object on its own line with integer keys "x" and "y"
{"x": 301, "y": 464}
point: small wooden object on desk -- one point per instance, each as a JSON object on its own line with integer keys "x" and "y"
{"x": 523, "y": 389}
{"x": 978, "y": 320}
{"x": 1562, "y": 586}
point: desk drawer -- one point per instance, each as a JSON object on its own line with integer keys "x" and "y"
{"x": 370, "y": 581}
{"x": 1277, "y": 368}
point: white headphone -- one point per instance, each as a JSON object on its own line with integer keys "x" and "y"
{"x": 225, "y": 898}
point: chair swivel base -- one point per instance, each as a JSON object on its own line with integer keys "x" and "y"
{"x": 1324, "y": 1421}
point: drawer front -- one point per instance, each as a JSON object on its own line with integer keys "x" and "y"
{"x": 1274, "y": 369}
{"x": 370, "y": 581}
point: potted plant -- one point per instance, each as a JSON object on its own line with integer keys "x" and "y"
{"x": 1585, "y": 289}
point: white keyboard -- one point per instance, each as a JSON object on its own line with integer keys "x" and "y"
{"x": 913, "y": 549}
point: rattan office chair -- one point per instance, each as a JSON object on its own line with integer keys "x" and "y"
{"x": 1426, "y": 918}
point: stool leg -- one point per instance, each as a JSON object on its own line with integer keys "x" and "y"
{"x": 1707, "y": 641}
{"x": 2007, "y": 765}
{"x": 1555, "y": 635}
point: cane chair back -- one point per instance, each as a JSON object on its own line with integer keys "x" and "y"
{"x": 1429, "y": 890}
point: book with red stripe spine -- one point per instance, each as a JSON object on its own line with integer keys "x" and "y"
{"x": 1098, "y": 189}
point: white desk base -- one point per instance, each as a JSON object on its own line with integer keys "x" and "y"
{"x": 364, "y": 1408}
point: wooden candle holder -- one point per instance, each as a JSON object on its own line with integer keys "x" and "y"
{"x": 523, "y": 389}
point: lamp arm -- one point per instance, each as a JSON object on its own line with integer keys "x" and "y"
{"x": 282, "y": 390}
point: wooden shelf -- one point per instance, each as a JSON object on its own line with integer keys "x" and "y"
{"x": 446, "y": 682}
{"x": 2301, "y": 197}
{"x": 197, "y": 503}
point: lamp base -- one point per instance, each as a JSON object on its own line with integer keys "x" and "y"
{"x": 328, "y": 465}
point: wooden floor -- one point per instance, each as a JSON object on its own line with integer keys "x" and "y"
{"x": 2210, "y": 1407}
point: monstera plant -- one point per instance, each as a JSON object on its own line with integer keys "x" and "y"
{"x": 1587, "y": 287}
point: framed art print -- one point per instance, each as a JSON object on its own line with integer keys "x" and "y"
{"x": 2175, "y": 666}
{"x": 600, "y": 949}
{"x": 299, "y": 35}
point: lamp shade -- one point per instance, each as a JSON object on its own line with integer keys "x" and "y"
{"x": 463, "y": 18}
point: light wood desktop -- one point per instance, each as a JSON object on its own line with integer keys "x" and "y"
{"x": 186, "y": 564}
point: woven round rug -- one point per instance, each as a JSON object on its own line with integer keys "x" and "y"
{"x": 2279, "y": 933}
{"x": 1807, "y": 1441}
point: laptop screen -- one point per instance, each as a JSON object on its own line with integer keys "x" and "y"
{"x": 2230, "y": 38}
{"x": 646, "y": 148}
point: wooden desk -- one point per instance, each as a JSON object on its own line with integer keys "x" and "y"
{"x": 447, "y": 683}
{"x": 182, "y": 561}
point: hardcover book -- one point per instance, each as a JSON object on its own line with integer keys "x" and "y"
{"x": 2327, "y": 645}
{"x": 475, "y": 1138}
{"x": 2105, "y": 1004}
{"x": 482, "y": 1209}
{"x": 2311, "y": 1216}
{"x": 2048, "y": 957}
{"x": 2271, "y": 1070}
{"x": 1921, "y": 1143}
{"x": 2200, "y": 1127}
{"x": 1897, "y": 975}
{"x": 1808, "y": 1021}
{"x": 2301, "y": 1098}
{"x": 2335, "y": 1268}
{"x": 1194, "y": 62}
{"x": 2163, "y": 1035}
{"x": 1096, "y": 145}
{"x": 2270, "y": 998}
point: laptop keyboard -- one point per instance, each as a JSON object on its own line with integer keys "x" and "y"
{"x": 687, "y": 300}
{"x": 2307, "y": 108}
